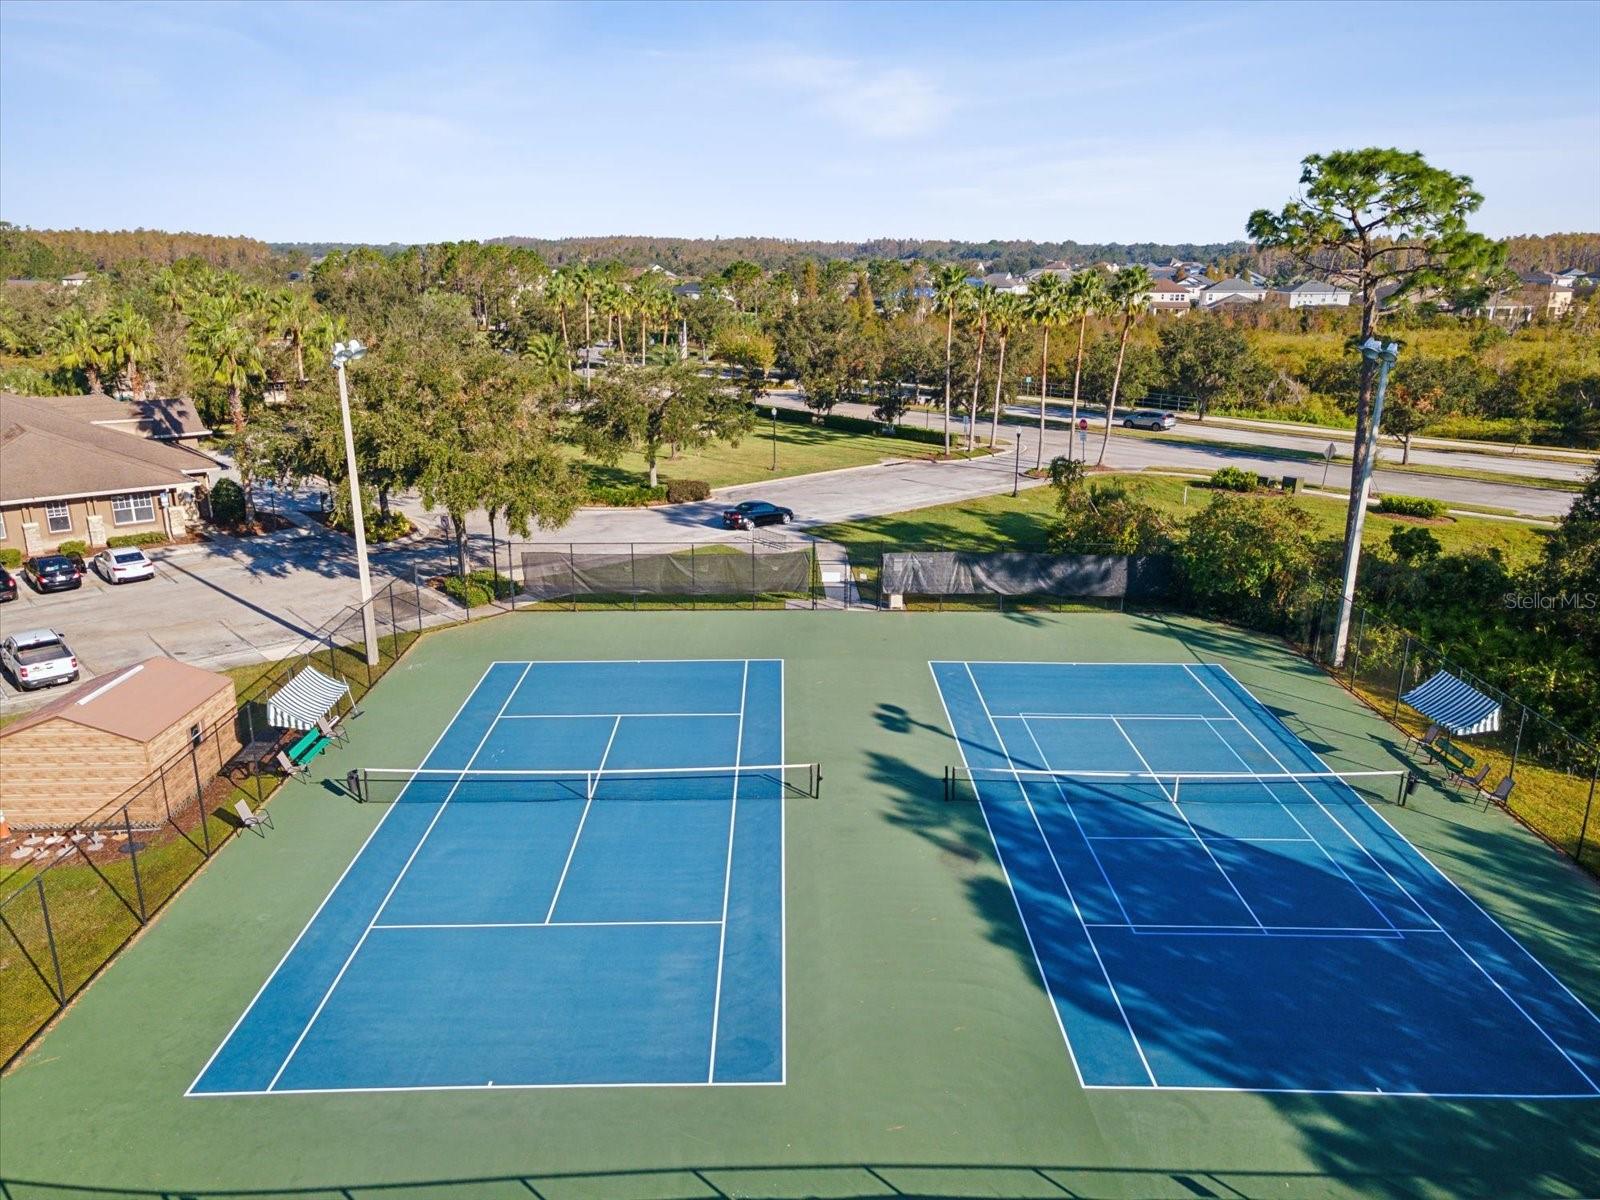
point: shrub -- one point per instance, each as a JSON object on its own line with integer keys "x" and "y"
{"x": 379, "y": 528}
{"x": 227, "y": 503}
{"x": 627, "y": 497}
{"x": 1410, "y": 506}
{"x": 10, "y": 558}
{"x": 1233, "y": 479}
{"x": 680, "y": 491}
{"x": 1413, "y": 545}
{"x": 73, "y": 546}
{"x": 135, "y": 539}
{"x": 479, "y": 587}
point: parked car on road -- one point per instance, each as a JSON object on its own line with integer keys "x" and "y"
{"x": 750, "y": 513}
{"x": 1147, "y": 418}
{"x": 124, "y": 565}
{"x": 38, "y": 658}
{"x": 53, "y": 573}
{"x": 8, "y": 586}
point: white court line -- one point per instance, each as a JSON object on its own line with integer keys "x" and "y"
{"x": 727, "y": 873}
{"x": 524, "y": 925}
{"x": 596, "y": 716}
{"x": 1178, "y": 837}
{"x": 1258, "y": 928}
{"x": 783, "y": 880}
{"x": 415, "y": 850}
{"x": 493, "y": 1087}
{"x": 588, "y": 802}
{"x": 1228, "y": 879}
{"x": 1073, "y": 809}
{"x": 1033, "y": 716}
{"x": 1015, "y": 899}
{"x": 1326, "y": 853}
{"x": 1065, "y": 887}
{"x": 1422, "y": 908}
{"x": 460, "y": 708}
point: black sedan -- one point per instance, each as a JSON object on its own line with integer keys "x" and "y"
{"x": 751, "y": 513}
{"x": 8, "y": 586}
{"x": 53, "y": 573}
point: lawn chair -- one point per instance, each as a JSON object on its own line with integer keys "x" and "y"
{"x": 1474, "y": 781}
{"x": 1500, "y": 794}
{"x": 252, "y": 820}
{"x": 1426, "y": 740}
{"x": 332, "y": 729}
{"x": 289, "y": 767}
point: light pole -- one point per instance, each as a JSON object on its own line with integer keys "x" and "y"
{"x": 343, "y": 353}
{"x": 774, "y": 437}
{"x": 1016, "y": 464}
{"x": 1384, "y": 356}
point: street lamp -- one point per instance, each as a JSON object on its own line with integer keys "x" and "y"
{"x": 1384, "y": 357}
{"x": 343, "y": 353}
{"x": 774, "y": 437}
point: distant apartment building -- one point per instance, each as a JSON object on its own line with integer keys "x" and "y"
{"x": 1005, "y": 282}
{"x": 1238, "y": 289}
{"x": 1165, "y": 296}
{"x": 1314, "y": 294}
{"x": 1539, "y": 294}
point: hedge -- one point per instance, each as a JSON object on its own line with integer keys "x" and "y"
{"x": 135, "y": 539}
{"x": 1410, "y": 506}
{"x": 1233, "y": 479}
{"x": 10, "y": 557}
{"x": 627, "y": 497}
{"x": 227, "y": 503}
{"x": 73, "y": 546}
{"x": 680, "y": 491}
{"x": 480, "y": 587}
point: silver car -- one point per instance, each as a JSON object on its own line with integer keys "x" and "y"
{"x": 123, "y": 565}
{"x": 1149, "y": 418}
{"x": 38, "y": 658}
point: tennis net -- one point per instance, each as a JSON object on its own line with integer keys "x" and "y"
{"x": 1001, "y": 784}
{"x": 424, "y": 785}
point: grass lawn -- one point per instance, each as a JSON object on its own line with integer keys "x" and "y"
{"x": 999, "y": 522}
{"x": 802, "y": 449}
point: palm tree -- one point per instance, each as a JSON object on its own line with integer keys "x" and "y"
{"x": 1007, "y": 317}
{"x": 223, "y": 349}
{"x": 1129, "y": 294}
{"x": 561, "y": 290}
{"x": 80, "y": 345}
{"x": 1047, "y": 306}
{"x": 292, "y": 313}
{"x": 1086, "y": 296}
{"x": 980, "y": 303}
{"x": 129, "y": 341}
{"x": 545, "y": 353}
{"x": 949, "y": 284}
{"x": 611, "y": 298}
{"x": 649, "y": 301}
{"x": 586, "y": 283}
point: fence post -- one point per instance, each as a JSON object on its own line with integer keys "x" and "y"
{"x": 693, "y": 582}
{"x": 1516, "y": 748}
{"x": 133, "y": 859}
{"x": 50, "y": 937}
{"x": 572, "y": 574}
{"x": 362, "y": 608}
{"x": 752, "y": 568}
{"x": 1400, "y": 681}
{"x": 816, "y": 579}
{"x": 633, "y": 577}
{"x": 1588, "y": 808}
{"x": 200, "y": 800}
{"x": 1355, "y": 658}
{"x": 394, "y": 629}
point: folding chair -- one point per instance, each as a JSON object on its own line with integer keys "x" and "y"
{"x": 1426, "y": 740}
{"x": 1500, "y": 794}
{"x": 253, "y": 820}
{"x": 1474, "y": 781}
{"x": 332, "y": 729}
{"x": 289, "y": 767}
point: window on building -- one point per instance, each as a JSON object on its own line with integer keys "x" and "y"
{"x": 58, "y": 518}
{"x": 133, "y": 510}
{"x": 2, "y": 526}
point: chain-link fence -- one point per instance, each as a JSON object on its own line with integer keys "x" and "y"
{"x": 1556, "y": 775}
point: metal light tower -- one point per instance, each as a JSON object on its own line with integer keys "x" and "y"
{"x": 774, "y": 437}
{"x": 343, "y": 353}
{"x": 1384, "y": 356}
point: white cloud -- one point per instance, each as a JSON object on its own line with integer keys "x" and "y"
{"x": 890, "y": 103}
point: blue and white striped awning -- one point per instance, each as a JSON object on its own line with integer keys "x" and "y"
{"x": 307, "y": 696}
{"x": 1459, "y": 707}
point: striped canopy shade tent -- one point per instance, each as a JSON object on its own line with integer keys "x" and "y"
{"x": 1454, "y": 705}
{"x": 306, "y": 697}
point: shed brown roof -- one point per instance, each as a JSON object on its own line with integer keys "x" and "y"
{"x": 137, "y": 702}
{"x": 46, "y": 453}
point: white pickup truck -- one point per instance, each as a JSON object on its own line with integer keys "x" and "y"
{"x": 37, "y": 658}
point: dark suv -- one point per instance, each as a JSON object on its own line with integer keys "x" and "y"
{"x": 8, "y": 586}
{"x": 756, "y": 512}
{"x": 53, "y": 573}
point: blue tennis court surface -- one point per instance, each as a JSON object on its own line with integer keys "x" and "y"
{"x": 582, "y": 927}
{"x": 1243, "y": 934}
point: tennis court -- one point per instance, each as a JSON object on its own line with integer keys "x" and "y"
{"x": 1210, "y": 908}
{"x": 581, "y": 885}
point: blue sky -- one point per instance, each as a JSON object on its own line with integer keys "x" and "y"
{"x": 1125, "y": 122}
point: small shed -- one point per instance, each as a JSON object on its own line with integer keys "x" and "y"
{"x": 162, "y": 724}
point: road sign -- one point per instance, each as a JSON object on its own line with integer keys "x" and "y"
{"x": 1333, "y": 448}
{"x": 1083, "y": 425}
{"x": 1083, "y": 441}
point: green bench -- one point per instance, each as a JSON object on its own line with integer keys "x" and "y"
{"x": 311, "y": 743}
